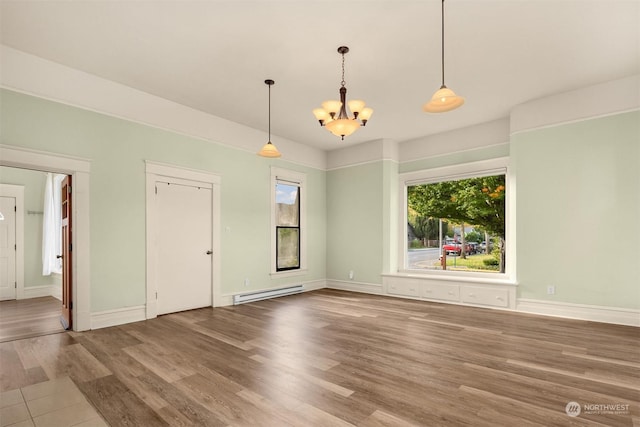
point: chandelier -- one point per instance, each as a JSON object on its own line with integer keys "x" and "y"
{"x": 444, "y": 99}
{"x": 269, "y": 150}
{"x": 333, "y": 114}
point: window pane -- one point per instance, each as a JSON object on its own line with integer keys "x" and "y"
{"x": 288, "y": 248}
{"x": 287, "y": 205}
{"x": 457, "y": 225}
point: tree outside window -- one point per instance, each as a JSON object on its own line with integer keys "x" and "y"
{"x": 463, "y": 218}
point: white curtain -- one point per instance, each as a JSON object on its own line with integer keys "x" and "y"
{"x": 52, "y": 225}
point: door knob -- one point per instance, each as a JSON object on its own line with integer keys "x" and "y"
{"x": 59, "y": 256}
{"x": 209, "y": 252}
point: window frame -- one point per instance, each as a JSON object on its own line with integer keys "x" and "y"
{"x": 297, "y": 178}
{"x": 489, "y": 167}
{"x": 288, "y": 227}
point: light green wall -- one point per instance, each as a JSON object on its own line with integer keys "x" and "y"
{"x": 578, "y": 211}
{"x": 578, "y": 204}
{"x": 33, "y": 183}
{"x": 355, "y": 223}
{"x": 117, "y": 150}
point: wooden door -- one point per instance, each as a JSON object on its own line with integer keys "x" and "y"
{"x": 7, "y": 248}
{"x": 184, "y": 247}
{"x": 67, "y": 297}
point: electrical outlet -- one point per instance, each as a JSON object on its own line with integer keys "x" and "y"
{"x": 350, "y": 274}
{"x": 246, "y": 283}
{"x": 551, "y": 290}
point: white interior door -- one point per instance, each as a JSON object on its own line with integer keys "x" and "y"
{"x": 184, "y": 246}
{"x": 7, "y": 248}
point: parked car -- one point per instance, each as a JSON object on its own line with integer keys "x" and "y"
{"x": 456, "y": 248}
{"x": 452, "y": 249}
{"x": 483, "y": 246}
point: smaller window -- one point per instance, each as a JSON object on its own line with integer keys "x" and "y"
{"x": 287, "y": 226}
{"x": 288, "y": 222}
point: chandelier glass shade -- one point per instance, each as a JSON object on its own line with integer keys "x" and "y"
{"x": 444, "y": 99}
{"x": 269, "y": 150}
{"x": 333, "y": 114}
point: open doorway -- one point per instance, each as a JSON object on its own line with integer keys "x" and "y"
{"x": 31, "y": 255}
{"x": 80, "y": 170}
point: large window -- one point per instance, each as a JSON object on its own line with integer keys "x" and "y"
{"x": 288, "y": 222}
{"x": 456, "y": 220}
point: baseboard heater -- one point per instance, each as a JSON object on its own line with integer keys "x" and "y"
{"x": 271, "y": 293}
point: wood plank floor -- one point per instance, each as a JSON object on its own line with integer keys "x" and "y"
{"x": 29, "y": 318}
{"x": 333, "y": 358}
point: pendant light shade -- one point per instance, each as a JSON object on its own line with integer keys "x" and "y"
{"x": 444, "y": 99}
{"x": 269, "y": 150}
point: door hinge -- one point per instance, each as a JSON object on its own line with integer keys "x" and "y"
{"x": 156, "y": 189}
{"x": 15, "y": 285}
{"x": 70, "y": 247}
{"x": 15, "y": 208}
{"x": 156, "y": 295}
{"x": 68, "y": 189}
{"x": 70, "y": 305}
{"x": 15, "y": 247}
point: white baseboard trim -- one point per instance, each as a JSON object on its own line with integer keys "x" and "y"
{"x": 107, "y": 318}
{"x": 349, "y": 285}
{"x": 224, "y": 300}
{"x": 594, "y": 313}
{"x": 314, "y": 285}
{"x": 227, "y": 299}
{"x": 56, "y": 292}
{"x": 41, "y": 291}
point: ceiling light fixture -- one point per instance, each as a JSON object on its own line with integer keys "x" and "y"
{"x": 333, "y": 114}
{"x": 269, "y": 150}
{"x": 444, "y": 99}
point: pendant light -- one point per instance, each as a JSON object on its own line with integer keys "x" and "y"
{"x": 333, "y": 114}
{"x": 444, "y": 99}
{"x": 269, "y": 150}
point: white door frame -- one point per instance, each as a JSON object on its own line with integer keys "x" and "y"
{"x": 160, "y": 171}
{"x": 79, "y": 169}
{"x": 17, "y": 192}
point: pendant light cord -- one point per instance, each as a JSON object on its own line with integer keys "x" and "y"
{"x": 269, "y": 112}
{"x": 442, "y": 26}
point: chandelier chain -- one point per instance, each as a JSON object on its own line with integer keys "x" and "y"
{"x": 342, "y": 83}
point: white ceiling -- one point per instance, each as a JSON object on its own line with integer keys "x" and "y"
{"x": 215, "y": 55}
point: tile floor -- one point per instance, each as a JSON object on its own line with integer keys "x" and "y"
{"x": 55, "y": 403}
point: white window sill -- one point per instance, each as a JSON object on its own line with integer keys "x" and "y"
{"x": 452, "y": 277}
{"x": 289, "y": 273}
